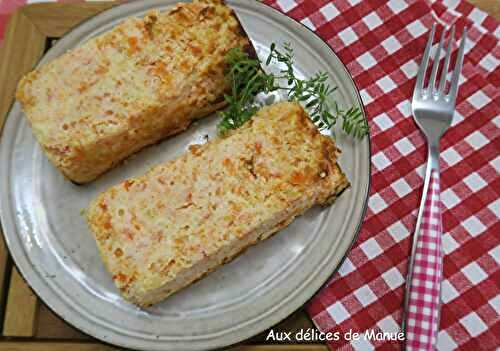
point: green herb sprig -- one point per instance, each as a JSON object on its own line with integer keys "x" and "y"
{"x": 248, "y": 79}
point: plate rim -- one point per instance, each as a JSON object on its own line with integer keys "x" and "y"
{"x": 5, "y": 201}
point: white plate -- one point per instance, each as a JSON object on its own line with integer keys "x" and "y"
{"x": 53, "y": 249}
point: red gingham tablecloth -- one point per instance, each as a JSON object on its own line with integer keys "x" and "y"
{"x": 381, "y": 44}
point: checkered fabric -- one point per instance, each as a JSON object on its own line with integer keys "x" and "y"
{"x": 422, "y": 316}
{"x": 381, "y": 44}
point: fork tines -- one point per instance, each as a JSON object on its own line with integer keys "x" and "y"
{"x": 439, "y": 91}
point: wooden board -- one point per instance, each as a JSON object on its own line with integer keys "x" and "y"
{"x": 73, "y": 346}
{"x": 22, "y": 308}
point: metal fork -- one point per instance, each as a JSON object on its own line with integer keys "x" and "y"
{"x": 433, "y": 110}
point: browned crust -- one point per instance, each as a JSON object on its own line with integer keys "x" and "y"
{"x": 325, "y": 154}
{"x": 249, "y": 49}
{"x": 340, "y": 188}
{"x": 216, "y": 106}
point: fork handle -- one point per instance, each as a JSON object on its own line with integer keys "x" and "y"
{"x": 423, "y": 283}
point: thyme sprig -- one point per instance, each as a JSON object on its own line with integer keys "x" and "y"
{"x": 248, "y": 79}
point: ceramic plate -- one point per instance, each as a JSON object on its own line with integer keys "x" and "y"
{"x": 53, "y": 249}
